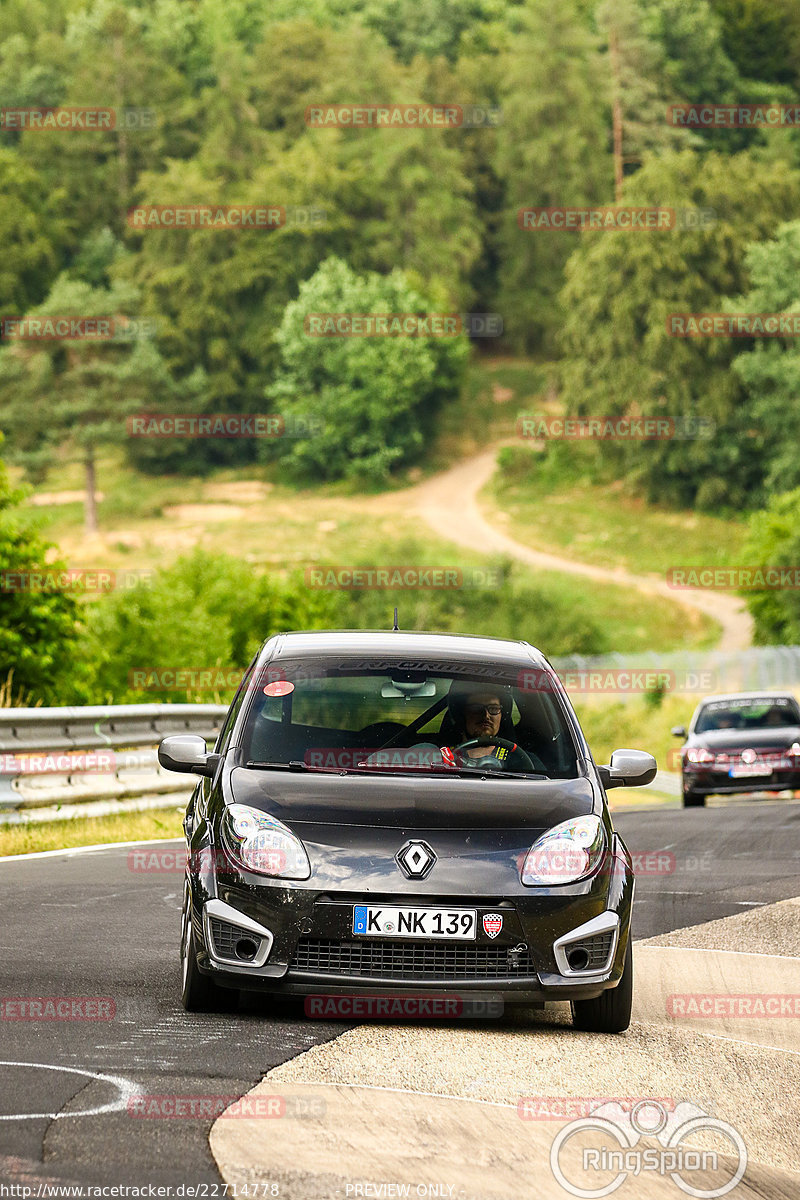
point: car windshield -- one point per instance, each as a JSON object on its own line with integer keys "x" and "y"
{"x": 409, "y": 718}
{"x": 766, "y": 712}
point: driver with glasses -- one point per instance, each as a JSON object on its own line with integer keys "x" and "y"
{"x": 475, "y": 717}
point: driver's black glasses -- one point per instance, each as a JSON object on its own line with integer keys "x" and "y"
{"x": 477, "y": 710}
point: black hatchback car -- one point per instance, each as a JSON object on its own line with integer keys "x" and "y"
{"x": 742, "y": 742}
{"x": 405, "y": 814}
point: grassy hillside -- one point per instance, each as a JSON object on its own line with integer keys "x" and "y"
{"x": 603, "y": 524}
{"x": 254, "y": 515}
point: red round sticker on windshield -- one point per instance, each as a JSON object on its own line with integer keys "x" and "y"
{"x": 281, "y": 687}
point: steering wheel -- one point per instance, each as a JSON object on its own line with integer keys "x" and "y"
{"x": 488, "y": 740}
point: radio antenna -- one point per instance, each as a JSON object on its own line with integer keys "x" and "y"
{"x": 395, "y": 626}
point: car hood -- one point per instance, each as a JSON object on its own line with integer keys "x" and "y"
{"x": 406, "y": 802}
{"x": 740, "y": 739}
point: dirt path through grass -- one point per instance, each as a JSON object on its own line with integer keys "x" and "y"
{"x": 449, "y": 504}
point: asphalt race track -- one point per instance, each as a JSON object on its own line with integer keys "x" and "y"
{"x": 86, "y": 925}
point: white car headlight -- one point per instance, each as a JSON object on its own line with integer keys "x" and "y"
{"x": 699, "y": 756}
{"x": 262, "y": 844}
{"x": 565, "y": 853}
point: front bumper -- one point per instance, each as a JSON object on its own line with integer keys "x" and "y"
{"x": 721, "y": 783}
{"x": 312, "y": 949}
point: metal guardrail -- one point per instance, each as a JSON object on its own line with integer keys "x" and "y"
{"x": 56, "y": 763}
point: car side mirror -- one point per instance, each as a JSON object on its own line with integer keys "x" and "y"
{"x": 188, "y": 754}
{"x": 628, "y": 768}
{"x": 678, "y": 731}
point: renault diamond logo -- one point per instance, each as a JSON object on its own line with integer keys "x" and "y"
{"x": 415, "y": 859}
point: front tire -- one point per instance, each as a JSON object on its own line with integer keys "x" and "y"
{"x": 692, "y": 799}
{"x": 199, "y": 993}
{"x": 611, "y": 1011}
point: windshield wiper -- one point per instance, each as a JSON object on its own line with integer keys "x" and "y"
{"x": 297, "y": 764}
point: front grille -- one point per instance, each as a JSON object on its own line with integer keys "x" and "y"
{"x": 226, "y": 936}
{"x": 406, "y": 960}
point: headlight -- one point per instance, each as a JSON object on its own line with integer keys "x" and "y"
{"x": 699, "y": 756}
{"x": 263, "y": 844}
{"x": 565, "y": 853}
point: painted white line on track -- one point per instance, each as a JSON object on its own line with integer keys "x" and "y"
{"x": 5, "y": 858}
{"x": 125, "y": 1087}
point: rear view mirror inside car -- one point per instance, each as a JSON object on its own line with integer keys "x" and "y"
{"x": 399, "y": 689}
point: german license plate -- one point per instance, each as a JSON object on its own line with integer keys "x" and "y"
{"x": 751, "y": 771}
{"x": 382, "y": 920}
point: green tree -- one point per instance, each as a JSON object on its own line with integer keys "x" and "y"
{"x": 639, "y": 86}
{"x": 77, "y": 390}
{"x": 774, "y": 541}
{"x": 108, "y": 58}
{"x": 38, "y": 628}
{"x": 375, "y": 398}
{"x": 382, "y": 198}
{"x": 204, "y": 611}
{"x": 762, "y": 37}
{"x": 552, "y": 150}
{"x": 771, "y": 369}
{"x": 619, "y": 355}
{"x": 33, "y": 234}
